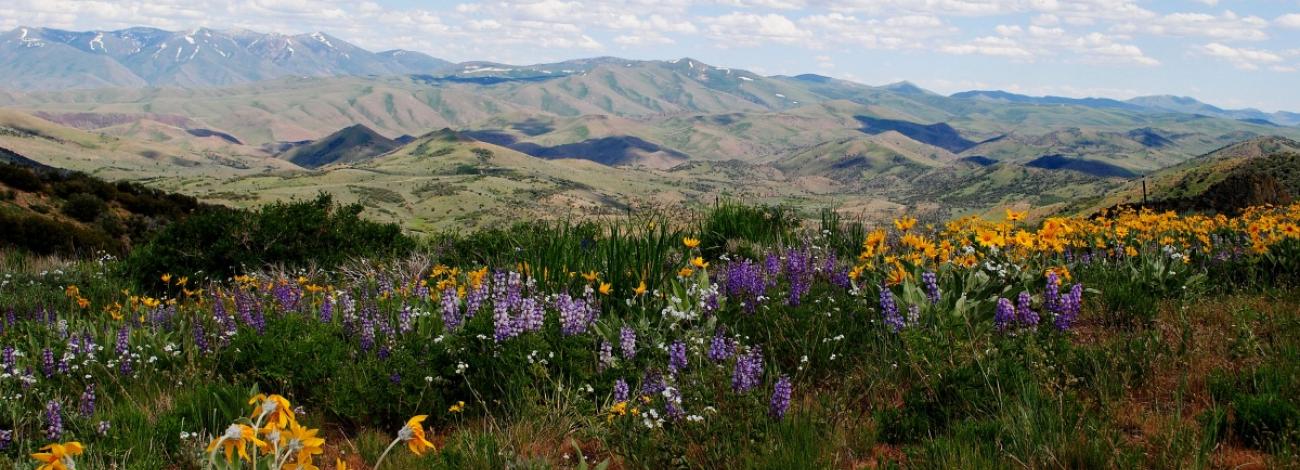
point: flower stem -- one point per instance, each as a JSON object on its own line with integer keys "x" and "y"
{"x": 385, "y": 454}
{"x": 212, "y": 456}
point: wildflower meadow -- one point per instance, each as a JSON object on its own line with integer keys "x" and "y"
{"x": 738, "y": 337}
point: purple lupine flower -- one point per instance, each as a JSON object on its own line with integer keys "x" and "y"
{"x": 200, "y": 337}
{"x": 721, "y": 348}
{"x": 1070, "y": 305}
{"x": 913, "y": 314}
{"x": 840, "y": 278}
{"x": 287, "y": 295}
{"x": 386, "y": 327}
{"x": 780, "y": 397}
{"x": 502, "y": 324}
{"x": 47, "y": 362}
{"x": 676, "y": 357}
{"x": 87, "y": 404}
{"x": 652, "y": 383}
{"x": 1005, "y": 315}
{"x": 532, "y": 314}
{"x": 605, "y": 358}
{"x": 244, "y": 306}
{"x": 889, "y": 310}
{"x": 673, "y": 408}
{"x": 123, "y": 336}
{"x": 101, "y": 428}
{"x": 710, "y": 300}
{"x": 1052, "y": 294}
{"x": 772, "y": 265}
{"x": 748, "y": 371}
{"x": 474, "y": 300}
{"x": 367, "y": 332}
{"x": 6, "y": 438}
{"x": 744, "y": 281}
{"x": 620, "y": 390}
{"x": 627, "y": 342}
{"x": 405, "y": 320}
{"x": 931, "y": 282}
{"x": 1027, "y": 316}
{"x": 450, "y": 309}
{"x": 575, "y": 314}
{"x": 8, "y": 359}
{"x": 799, "y": 271}
{"x": 327, "y": 310}
{"x": 396, "y": 378}
{"x": 53, "y": 421}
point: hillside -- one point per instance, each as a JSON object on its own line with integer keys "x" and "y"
{"x": 348, "y": 145}
{"x": 50, "y": 211}
{"x": 50, "y": 59}
{"x": 1264, "y": 170}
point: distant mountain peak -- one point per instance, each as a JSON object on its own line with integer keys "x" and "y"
{"x": 907, "y": 88}
{"x": 195, "y": 57}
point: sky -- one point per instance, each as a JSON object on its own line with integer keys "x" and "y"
{"x": 1231, "y": 53}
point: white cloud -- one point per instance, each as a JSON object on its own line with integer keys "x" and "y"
{"x": 1245, "y": 59}
{"x": 1226, "y": 26}
{"x": 647, "y": 39}
{"x": 1039, "y": 42}
{"x": 999, "y": 46}
{"x": 751, "y": 29}
{"x": 908, "y": 31}
{"x": 1290, "y": 20}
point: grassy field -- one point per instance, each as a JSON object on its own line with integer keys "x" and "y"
{"x": 741, "y": 339}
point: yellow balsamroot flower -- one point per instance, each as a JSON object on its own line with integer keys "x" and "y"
{"x": 590, "y": 276}
{"x": 968, "y": 261}
{"x": 339, "y": 464}
{"x": 236, "y": 438}
{"x": 685, "y": 272}
{"x": 856, "y": 272}
{"x": 606, "y": 288}
{"x": 457, "y": 408}
{"x": 640, "y": 289}
{"x": 1013, "y": 216}
{"x": 699, "y": 262}
{"x": 897, "y": 275}
{"x": 72, "y": 292}
{"x": 275, "y": 409}
{"x": 413, "y": 434}
{"x": 990, "y": 238}
{"x": 58, "y": 456}
{"x": 691, "y": 243}
{"x": 619, "y": 409}
{"x": 904, "y": 223}
{"x": 305, "y": 441}
{"x": 1130, "y": 251}
{"x": 166, "y": 278}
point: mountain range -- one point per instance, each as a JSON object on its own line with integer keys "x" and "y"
{"x": 242, "y": 118}
{"x": 48, "y": 59}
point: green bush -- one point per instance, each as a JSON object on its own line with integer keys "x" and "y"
{"x": 1264, "y": 419}
{"x": 219, "y": 242}
{"x": 84, "y": 207}
{"x": 17, "y": 177}
{"x": 44, "y": 235}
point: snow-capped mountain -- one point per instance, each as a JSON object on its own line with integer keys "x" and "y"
{"x": 45, "y": 58}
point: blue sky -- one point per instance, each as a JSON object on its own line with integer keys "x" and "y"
{"x": 1232, "y": 53}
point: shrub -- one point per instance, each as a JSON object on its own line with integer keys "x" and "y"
{"x": 19, "y": 178}
{"x": 44, "y": 235}
{"x": 1266, "y": 418}
{"x": 84, "y": 207}
{"x": 219, "y": 242}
